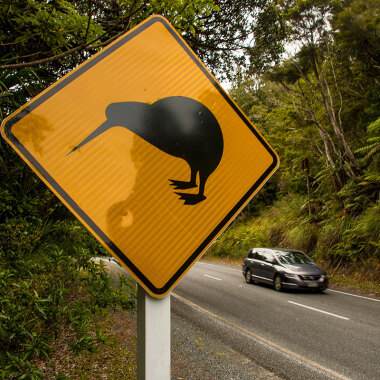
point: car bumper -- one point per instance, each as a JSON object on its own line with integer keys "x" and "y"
{"x": 295, "y": 283}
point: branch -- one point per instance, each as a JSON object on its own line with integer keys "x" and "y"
{"x": 340, "y": 94}
{"x": 89, "y": 20}
{"x": 42, "y": 61}
{"x": 306, "y": 78}
{"x": 23, "y": 56}
{"x": 82, "y": 46}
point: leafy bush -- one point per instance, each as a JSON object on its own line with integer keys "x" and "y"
{"x": 44, "y": 290}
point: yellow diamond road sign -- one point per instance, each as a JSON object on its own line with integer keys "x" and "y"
{"x": 147, "y": 150}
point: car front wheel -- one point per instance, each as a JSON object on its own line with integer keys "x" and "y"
{"x": 248, "y": 276}
{"x": 277, "y": 283}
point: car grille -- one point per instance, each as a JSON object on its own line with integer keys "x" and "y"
{"x": 310, "y": 278}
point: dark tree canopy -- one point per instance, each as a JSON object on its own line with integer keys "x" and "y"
{"x": 42, "y": 40}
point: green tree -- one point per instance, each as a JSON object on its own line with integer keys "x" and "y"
{"x": 239, "y": 35}
{"x": 319, "y": 108}
{"x": 356, "y": 29}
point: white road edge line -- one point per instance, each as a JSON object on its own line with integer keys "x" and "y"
{"x": 321, "y": 311}
{"x": 353, "y": 295}
{"x": 261, "y": 340}
{"x": 219, "y": 266}
{"x": 215, "y": 278}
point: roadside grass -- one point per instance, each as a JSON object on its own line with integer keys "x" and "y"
{"x": 360, "y": 287}
{"x": 112, "y": 356}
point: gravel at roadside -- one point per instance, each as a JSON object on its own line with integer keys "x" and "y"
{"x": 197, "y": 355}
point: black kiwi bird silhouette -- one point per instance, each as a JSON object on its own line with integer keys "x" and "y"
{"x": 179, "y": 126}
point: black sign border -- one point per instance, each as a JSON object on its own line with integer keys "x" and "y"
{"x": 95, "y": 229}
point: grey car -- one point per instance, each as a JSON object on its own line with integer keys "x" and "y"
{"x": 284, "y": 269}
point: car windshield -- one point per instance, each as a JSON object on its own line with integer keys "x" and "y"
{"x": 293, "y": 258}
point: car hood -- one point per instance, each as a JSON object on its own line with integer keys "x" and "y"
{"x": 304, "y": 269}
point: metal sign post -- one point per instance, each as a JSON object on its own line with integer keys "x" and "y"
{"x": 153, "y": 336}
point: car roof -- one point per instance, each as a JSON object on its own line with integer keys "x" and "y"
{"x": 276, "y": 250}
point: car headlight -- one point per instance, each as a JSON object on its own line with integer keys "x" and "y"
{"x": 290, "y": 275}
{"x": 323, "y": 277}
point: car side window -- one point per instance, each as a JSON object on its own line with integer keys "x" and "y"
{"x": 268, "y": 257}
{"x": 254, "y": 255}
{"x": 260, "y": 256}
{"x": 250, "y": 255}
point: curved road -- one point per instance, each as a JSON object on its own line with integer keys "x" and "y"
{"x": 297, "y": 335}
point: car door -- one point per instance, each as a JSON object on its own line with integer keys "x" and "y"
{"x": 249, "y": 261}
{"x": 264, "y": 269}
{"x": 256, "y": 264}
{"x": 267, "y": 269}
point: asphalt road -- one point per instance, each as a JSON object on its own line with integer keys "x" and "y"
{"x": 297, "y": 335}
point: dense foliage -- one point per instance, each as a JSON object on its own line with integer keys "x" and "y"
{"x": 320, "y": 109}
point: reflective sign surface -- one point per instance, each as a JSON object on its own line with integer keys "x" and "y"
{"x": 147, "y": 150}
